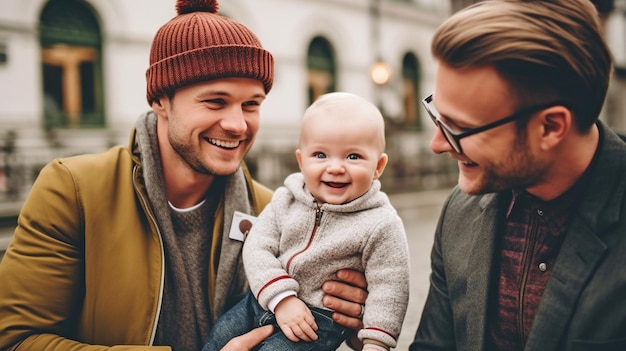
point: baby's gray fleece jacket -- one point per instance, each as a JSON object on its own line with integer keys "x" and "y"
{"x": 293, "y": 245}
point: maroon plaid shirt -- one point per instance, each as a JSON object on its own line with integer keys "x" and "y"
{"x": 533, "y": 235}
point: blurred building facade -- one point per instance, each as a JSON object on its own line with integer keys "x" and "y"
{"x": 72, "y": 76}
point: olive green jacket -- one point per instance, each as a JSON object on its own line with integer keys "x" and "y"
{"x": 85, "y": 265}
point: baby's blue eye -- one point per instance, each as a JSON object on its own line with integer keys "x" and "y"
{"x": 319, "y": 155}
{"x": 353, "y": 157}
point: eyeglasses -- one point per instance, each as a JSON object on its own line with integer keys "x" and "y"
{"x": 454, "y": 138}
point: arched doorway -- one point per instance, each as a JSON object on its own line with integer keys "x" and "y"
{"x": 321, "y": 68}
{"x": 410, "y": 96}
{"x": 71, "y": 53}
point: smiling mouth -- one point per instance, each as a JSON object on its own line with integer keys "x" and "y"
{"x": 466, "y": 163}
{"x": 223, "y": 143}
{"x": 335, "y": 185}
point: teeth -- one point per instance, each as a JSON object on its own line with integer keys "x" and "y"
{"x": 223, "y": 143}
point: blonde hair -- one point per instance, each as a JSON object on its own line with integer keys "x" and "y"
{"x": 547, "y": 51}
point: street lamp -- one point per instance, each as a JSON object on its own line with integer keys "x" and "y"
{"x": 380, "y": 72}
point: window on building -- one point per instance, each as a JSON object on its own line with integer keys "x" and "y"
{"x": 410, "y": 88}
{"x": 321, "y": 68}
{"x": 71, "y": 54}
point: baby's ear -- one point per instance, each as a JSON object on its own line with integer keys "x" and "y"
{"x": 380, "y": 166}
{"x": 299, "y": 158}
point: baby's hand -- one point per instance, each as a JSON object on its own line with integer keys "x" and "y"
{"x": 295, "y": 319}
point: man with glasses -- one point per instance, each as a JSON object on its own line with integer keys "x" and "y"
{"x": 530, "y": 249}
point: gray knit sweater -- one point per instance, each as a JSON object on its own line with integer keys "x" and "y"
{"x": 293, "y": 245}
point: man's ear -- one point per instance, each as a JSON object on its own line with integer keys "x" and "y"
{"x": 158, "y": 106}
{"x": 380, "y": 166}
{"x": 555, "y": 123}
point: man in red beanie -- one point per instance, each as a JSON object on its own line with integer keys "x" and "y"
{"x": 133, "y": 248}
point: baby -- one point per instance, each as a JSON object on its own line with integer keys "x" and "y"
{"x": 330, "y": 215}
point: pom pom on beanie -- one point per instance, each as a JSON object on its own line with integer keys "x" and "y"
{"x": 199, "y": 45}
{"x": 183, "y": 7}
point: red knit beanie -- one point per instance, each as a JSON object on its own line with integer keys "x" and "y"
{"x": 200, "y": 45}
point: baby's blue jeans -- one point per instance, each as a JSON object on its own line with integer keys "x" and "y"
{"x": 248, "y": 314}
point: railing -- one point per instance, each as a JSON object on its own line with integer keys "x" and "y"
{"x": 8, "y": 165}
{"x": 18, "y": 171}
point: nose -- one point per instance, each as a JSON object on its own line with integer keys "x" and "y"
{"x": 335, "y": 167}
{"x": 234, "y": 121}
{"x": 439, "y": 144}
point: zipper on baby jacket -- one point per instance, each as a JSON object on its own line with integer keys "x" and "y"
{"x": 318, "y": 220}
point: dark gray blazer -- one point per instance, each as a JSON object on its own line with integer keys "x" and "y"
{"x": 584, "y": 303}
